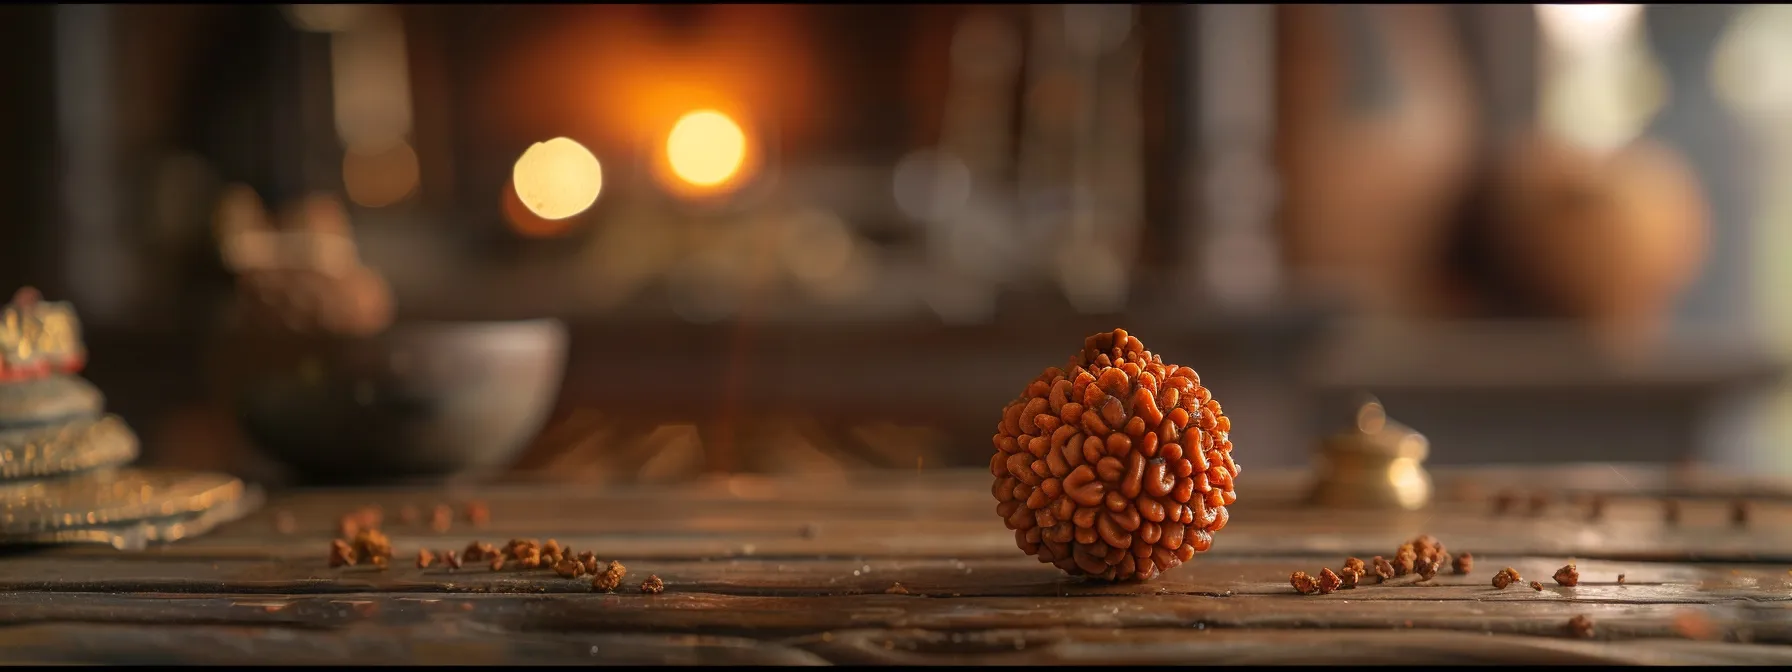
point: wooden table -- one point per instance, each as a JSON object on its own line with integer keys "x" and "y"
{"x": 799, "y": 571}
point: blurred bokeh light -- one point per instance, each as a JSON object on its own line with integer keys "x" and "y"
{"x": 380, "y": 179}
{"x": 557, "y": 179}
{"x": 706, "y": 149}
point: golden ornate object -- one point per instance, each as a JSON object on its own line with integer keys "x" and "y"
{"x": 137, "y": 535}
{"x": 1376, "y": 463}
{"x": 62, "y": 458}
{"x": 39, "y": 337}
{"x": 111, "y": 497}
{"x": 70, "y": 447}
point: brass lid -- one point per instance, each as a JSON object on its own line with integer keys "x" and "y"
{"x": 1374, "y": 463}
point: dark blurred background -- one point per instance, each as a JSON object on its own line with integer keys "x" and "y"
{"x": 813, "y": 237}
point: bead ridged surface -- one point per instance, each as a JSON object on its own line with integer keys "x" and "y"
{"x": 1118, "y": 466}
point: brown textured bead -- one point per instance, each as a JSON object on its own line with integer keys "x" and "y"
{"x": 589, "y": 560}
{"x": 1464, "y": 564}
{"x": 1568, "y": 576}
{"x": 341, "y": 553}
{"x": 1328, "y": 581}
{"x": 371, "y": 545}
{"x": 1089, "y": 472}
{"x": 1350, "y": 577}
{"x": 1303, "y": 584}
{"x": 1404, "y": 560}
{"x": 1384, "y": 570}
{"x": 611, "y": 577}
{"x": 1537, "y": 586}
{"x": 569, "y": 568}
{"x": 654, "y": 586}
{"x": 1354, "y": 564}
{"x": 1427, "y": 569}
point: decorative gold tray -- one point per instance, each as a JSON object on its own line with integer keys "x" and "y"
{"x": 112, "y": 497}
{"x": 66, "y": 448}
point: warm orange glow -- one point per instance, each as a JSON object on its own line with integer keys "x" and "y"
{"x": 636, "y": 78}
{"x": 380, "y": 179}
{"x": 706, "y": 148}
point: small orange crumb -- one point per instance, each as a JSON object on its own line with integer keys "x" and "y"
{"x": 478, "y": 513}
{"x": 654, "y": 586}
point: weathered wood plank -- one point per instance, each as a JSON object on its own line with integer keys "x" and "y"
{"x": 762, "y": 617}
{"x": 1160, "y": 646}
{"x": 792, "y": 569}
{"x": 1014, "y": 576}
{"x": 950, "y": 514}
{"x": 461, "y": 642}
{"x": 444, "y": 642}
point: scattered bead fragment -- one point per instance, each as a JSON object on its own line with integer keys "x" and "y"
{"x": 611, "y": 577}
{"x": 1328, "y": 581}
{"x": 569, "y": 568}
{"x": 341, "y": 554}
{"x": 1463, "y": 563}
{"x": 654, "y": 586}
{"x": 1427, "y": 570}
{"x": 1303, "y": 584}
{"x": 1383, "y": 570}
{"x": 1568, "y": 575}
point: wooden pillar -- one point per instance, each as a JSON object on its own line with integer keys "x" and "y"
{"x": 98, "y": 269}
{"x": 27, "y": 246}
{"x": 1230, "y": 166}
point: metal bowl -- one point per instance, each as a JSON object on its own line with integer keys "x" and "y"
{"x": 419, "y": 401}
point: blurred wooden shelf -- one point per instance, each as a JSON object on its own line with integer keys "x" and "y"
{"x": 1529, "y": 355}
{"x": 1541, "y": 392}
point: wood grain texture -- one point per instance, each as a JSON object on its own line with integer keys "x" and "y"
{"x": 790, "y": 570}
